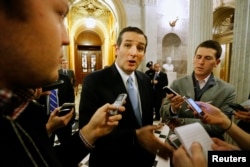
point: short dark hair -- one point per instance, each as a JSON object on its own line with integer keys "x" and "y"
{"x": 131, "y": 29}
{"x": 213, "y": 45}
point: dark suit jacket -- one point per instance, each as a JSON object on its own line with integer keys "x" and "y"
{"x": 70, "y": 74}
{"x": 66, "y": 91}
{"x": 33, "y": 121}
{"x": 65, "y": 95}
{"x": 162, "y": 81}
{"x": 120, "y": 147}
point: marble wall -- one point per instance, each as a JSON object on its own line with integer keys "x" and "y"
{"x": 154, "y": 17}
{"x": 178, "y": 41}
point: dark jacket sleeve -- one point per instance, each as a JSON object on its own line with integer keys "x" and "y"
{"x": 72, "y": 153}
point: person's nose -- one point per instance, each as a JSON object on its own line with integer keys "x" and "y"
{"x": 133, "y": 51}
{"x": 201, "y": 60}
{"x": 65, "y": 37}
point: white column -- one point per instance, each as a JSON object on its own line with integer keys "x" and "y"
{"x": 149, "y": 22}
{"x": 240, "y": 60}
{"x": 200, "y": 27}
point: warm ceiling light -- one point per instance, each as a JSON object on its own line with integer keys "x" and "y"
{"x": 90, "y": 22}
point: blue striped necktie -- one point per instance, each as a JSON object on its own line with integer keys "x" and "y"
{"x": 53, "y": 100}
{"x": 134, "y": 99}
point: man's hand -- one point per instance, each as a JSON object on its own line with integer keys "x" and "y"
{"x": 101, "y": 123}
{"x": 182, "y": 159}
{"x": 147, "y": 139}
{"x": 242, "y": 115}
{"x": 56, "y": 122}
{"x": 176, "y": 102}
{"x": 220, "y": 145}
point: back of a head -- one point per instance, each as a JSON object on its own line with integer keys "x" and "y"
{"x": 130, "y": 29}
{"x": 213, "y": 45}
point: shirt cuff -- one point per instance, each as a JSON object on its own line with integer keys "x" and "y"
{"x": 86, "y": 143}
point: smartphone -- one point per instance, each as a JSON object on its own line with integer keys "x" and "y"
{"x": 237, "y": 107}
{"x": 66, "y": 108}
{"x": 118, "y": 102}
{"x": 168, "y": 90}
{"x": 174, "y": 141}
{"x": 194, "y": 106}
{"x": 54, "y": 85}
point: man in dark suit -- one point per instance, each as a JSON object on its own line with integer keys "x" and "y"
{"x": 65, "y": 71}
{"x": 65, "y": 94}
{"x": 160, "y": 80}
{"x": 132, "y": 143}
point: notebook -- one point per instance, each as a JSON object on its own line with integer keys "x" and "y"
{"x": 189, "y": 133}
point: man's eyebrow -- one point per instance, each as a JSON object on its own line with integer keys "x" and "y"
{"x": 140, "y": 43}
{"x": 128, "y": 40}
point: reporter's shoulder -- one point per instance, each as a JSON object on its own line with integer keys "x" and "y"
{"x": 184, "y": 79}
{"x": 224, "y": 83}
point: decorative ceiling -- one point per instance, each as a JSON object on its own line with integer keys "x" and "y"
{"x": 89, "y": 8}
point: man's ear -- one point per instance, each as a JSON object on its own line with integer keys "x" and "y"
{"x": 116, "y": 47}
{"x": 217, "y": 62}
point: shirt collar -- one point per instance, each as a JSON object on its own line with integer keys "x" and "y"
{"x": 205, "y": 79}
{"x": 124, "y": 75}
{"x": 12, "y": 103}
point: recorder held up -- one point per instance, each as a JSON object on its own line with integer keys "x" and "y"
{"x": 118, "y": 102}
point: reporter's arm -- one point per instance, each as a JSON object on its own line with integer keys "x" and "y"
{"x": 81, "y": 143}
{"x": 213, "y": 115}
{"x": 241, "y": 137}
{"x": 101, "y": 123}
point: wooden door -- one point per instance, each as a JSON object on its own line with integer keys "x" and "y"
{"x": 87, "y": 61}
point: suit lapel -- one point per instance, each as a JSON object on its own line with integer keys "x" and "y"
{"x": 190, "y": 89}
{"x": 116, "y": 78}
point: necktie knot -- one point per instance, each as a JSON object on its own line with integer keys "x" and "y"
{"x": 130, "y": 81}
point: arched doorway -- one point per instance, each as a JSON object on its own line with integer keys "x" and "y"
{"x": 89, "y": 54}
{"x": 106, "y": 16}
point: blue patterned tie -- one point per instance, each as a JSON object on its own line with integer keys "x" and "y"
{"x": 53, "y": 100}
{"x": 134, "y": 99}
